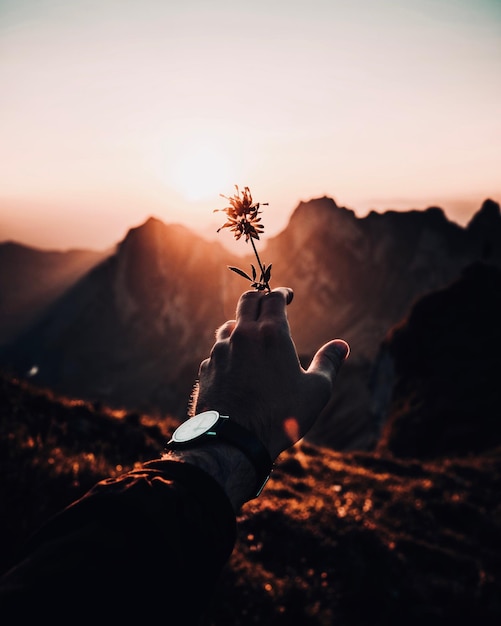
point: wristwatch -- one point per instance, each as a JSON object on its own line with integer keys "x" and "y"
{"x": 212, "y": 426}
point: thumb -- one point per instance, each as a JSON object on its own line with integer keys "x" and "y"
{"x": 328, "y": 360}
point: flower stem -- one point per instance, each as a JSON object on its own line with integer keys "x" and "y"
{"x": 260, "y": 264}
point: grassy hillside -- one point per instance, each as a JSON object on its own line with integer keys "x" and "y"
{"x": 52, "y": 450}
{"x": 352, "y": 539}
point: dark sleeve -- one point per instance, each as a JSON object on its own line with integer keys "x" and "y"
{"x": 149, "y": 545}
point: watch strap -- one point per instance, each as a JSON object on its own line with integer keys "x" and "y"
{"x": 229, "y": 431}
{"x": 251, "y": 446}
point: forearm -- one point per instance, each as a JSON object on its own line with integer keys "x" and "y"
{"x": 134, "y": 546}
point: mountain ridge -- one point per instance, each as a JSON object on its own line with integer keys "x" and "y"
{"x": 405, "y": 533}
{"x": 133, "y": 330}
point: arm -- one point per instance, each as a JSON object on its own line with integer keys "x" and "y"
{"x": 254, "y": 375}
{"x": 144, "y": 545}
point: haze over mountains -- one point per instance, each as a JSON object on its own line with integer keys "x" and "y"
{"x": 130, "y": 329}
{"x": 31, "y": 279}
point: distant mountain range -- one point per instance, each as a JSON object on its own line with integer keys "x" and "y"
{"x": 31, "y": 280}
{"x": 129, "y": 328}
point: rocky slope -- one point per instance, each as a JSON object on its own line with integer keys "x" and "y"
{"x": 134, "y": 329}
{"x": 356, "y": 277}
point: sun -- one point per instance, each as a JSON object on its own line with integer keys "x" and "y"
{"x": 200, "y": 171}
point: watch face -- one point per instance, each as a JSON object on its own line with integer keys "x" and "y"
{"x": 195, "y": 426}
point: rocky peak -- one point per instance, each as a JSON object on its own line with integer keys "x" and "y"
{"x": 489, "y": 214}
{"x": 485, "y": 231}
{"x": 151, "y": 237}
{"x": 157, "y": 262}
{"x": 320, "y": 214}
{"x": 487, "y": 221}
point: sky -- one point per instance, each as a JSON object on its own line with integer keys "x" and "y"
{"x": 112, "y": 111}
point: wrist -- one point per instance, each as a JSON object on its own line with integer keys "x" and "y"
{"x": 210, "y": 427}
{"x": 226, "y": 464}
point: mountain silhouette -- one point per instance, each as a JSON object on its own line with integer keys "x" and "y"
{"x": 132, "y": 331}
{"x": 31, "y": 279}
{"x": 437, "y": 373}
{"x": 356, "y": 278}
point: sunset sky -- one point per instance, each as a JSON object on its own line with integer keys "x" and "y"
{"x": 115, "y": 110}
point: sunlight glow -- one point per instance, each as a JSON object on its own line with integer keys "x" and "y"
{"x": 200, "y": 172}
{"x": 114, "y": 111}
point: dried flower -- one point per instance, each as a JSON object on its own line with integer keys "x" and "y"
{"x": 243, "y": 219}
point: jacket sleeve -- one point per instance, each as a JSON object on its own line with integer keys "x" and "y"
{"x": 150, "y": 544}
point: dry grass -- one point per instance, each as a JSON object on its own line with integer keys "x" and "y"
{"x": 353, "y": 539}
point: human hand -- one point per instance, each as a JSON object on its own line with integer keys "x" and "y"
{"x": 254, "y": 375}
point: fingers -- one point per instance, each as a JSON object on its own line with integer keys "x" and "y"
{"x": 254, "y": 304}
{"x": 224, "y": 331}
{"x": 328, "y": 360}
{"x": 248, "y": 306}
{"x": 287, "y": 292}
{"x": 273, "y": 304}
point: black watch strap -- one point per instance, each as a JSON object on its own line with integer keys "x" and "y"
{"x": 229, "y": 431}
{"x": 251, "y": 446}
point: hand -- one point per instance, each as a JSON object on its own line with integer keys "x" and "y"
{"x": 254, "y": 375}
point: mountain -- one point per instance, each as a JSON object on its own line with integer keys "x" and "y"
{"x": 31, "y": 279}
{"x": 436, "y": 378}
{"x": 357, "y": 277}
{"x": 408, "y": 533}
{"x": 132, "y": 331}
{"x": 360, "y": 275}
